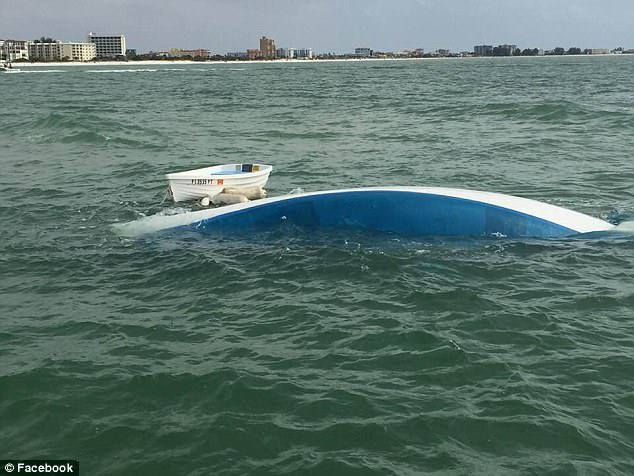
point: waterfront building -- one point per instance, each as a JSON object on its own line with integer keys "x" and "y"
{"x": 45, "y": 51}
{"x": 237, "y": 54}
{"x": 483, "y": 50}
{"x": 267, "y": 48}
{"x": 197, "y": 53}
{"x": 62, "y": 51}
{"x": 600, "y": 51}
{"x": 306, "y": 53}
{"x": 363, "y": 52}
{"x": 108, "y": 46}
{"x": 153, "y": 55}
{"x": 285, "y": 53}
{"x": 253, "y": 54}
{"x": 506, "y": 50}
{"x": 79, "y": 51}
{"x": 12, "y": 50}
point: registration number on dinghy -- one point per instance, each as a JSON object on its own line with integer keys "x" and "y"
{"x": 206, "y": 181}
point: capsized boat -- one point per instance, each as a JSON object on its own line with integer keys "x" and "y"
{"x": 210, "y": 181}
{"x": 427, "y": 211}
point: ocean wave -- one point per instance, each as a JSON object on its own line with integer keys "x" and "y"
{"x": 38, "y": 71}
{"x": 87, "y": 128}
{"x": 134, "y": 70}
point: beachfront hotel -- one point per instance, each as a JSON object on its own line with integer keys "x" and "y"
{"x": 61, "y": 51}
{"x": 108, "y": 46}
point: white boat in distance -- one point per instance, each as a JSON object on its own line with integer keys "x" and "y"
{"x": 210, "y": 181}
{"x": 8, "y": 68}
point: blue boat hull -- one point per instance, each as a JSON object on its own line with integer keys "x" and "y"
{"x": 401, "y": 212}
{"x": 424, "y": 211}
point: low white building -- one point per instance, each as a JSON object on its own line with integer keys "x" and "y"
{"x": 363, "y": 52}
{"x": 79, "y": 51}
{"x": 62, "y": 51}
{"x": 12, "y": 50}
{"x": 45, "y": 51}
{"x": 197, "y": 53}
{"x": 236, "y": 54}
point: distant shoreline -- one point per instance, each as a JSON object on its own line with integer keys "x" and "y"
{"x": 283, "y": 61}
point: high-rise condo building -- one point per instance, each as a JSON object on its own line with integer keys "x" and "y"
{"x": 267, "y": 47}
{"x": 108, "y": 46}
{"x": 304, "y": 53}
{"x": 483, "y": 50}
{"x": 507, "y": 50}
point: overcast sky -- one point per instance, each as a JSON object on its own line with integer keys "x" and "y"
{"x": 327, "y": 25}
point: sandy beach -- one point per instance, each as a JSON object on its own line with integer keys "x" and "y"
{"x": 278, "y": 61}
{"x": 191, "y": 62}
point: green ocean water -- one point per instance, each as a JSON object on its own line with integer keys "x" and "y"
{"x": 316, "y": 353}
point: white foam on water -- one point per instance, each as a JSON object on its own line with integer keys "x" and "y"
{"x": 136, "y": 70}
{"x": 625, "y": 227}
{"x": 164, "y": 219}
{"x": 39, "y": 71}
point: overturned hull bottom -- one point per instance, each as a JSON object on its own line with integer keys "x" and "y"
{"x": 402, "y": 210}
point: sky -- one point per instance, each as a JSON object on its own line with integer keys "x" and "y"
{"x": 337, "y": 26}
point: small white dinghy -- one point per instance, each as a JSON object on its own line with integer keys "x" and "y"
{"x": 210, "y": 181}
